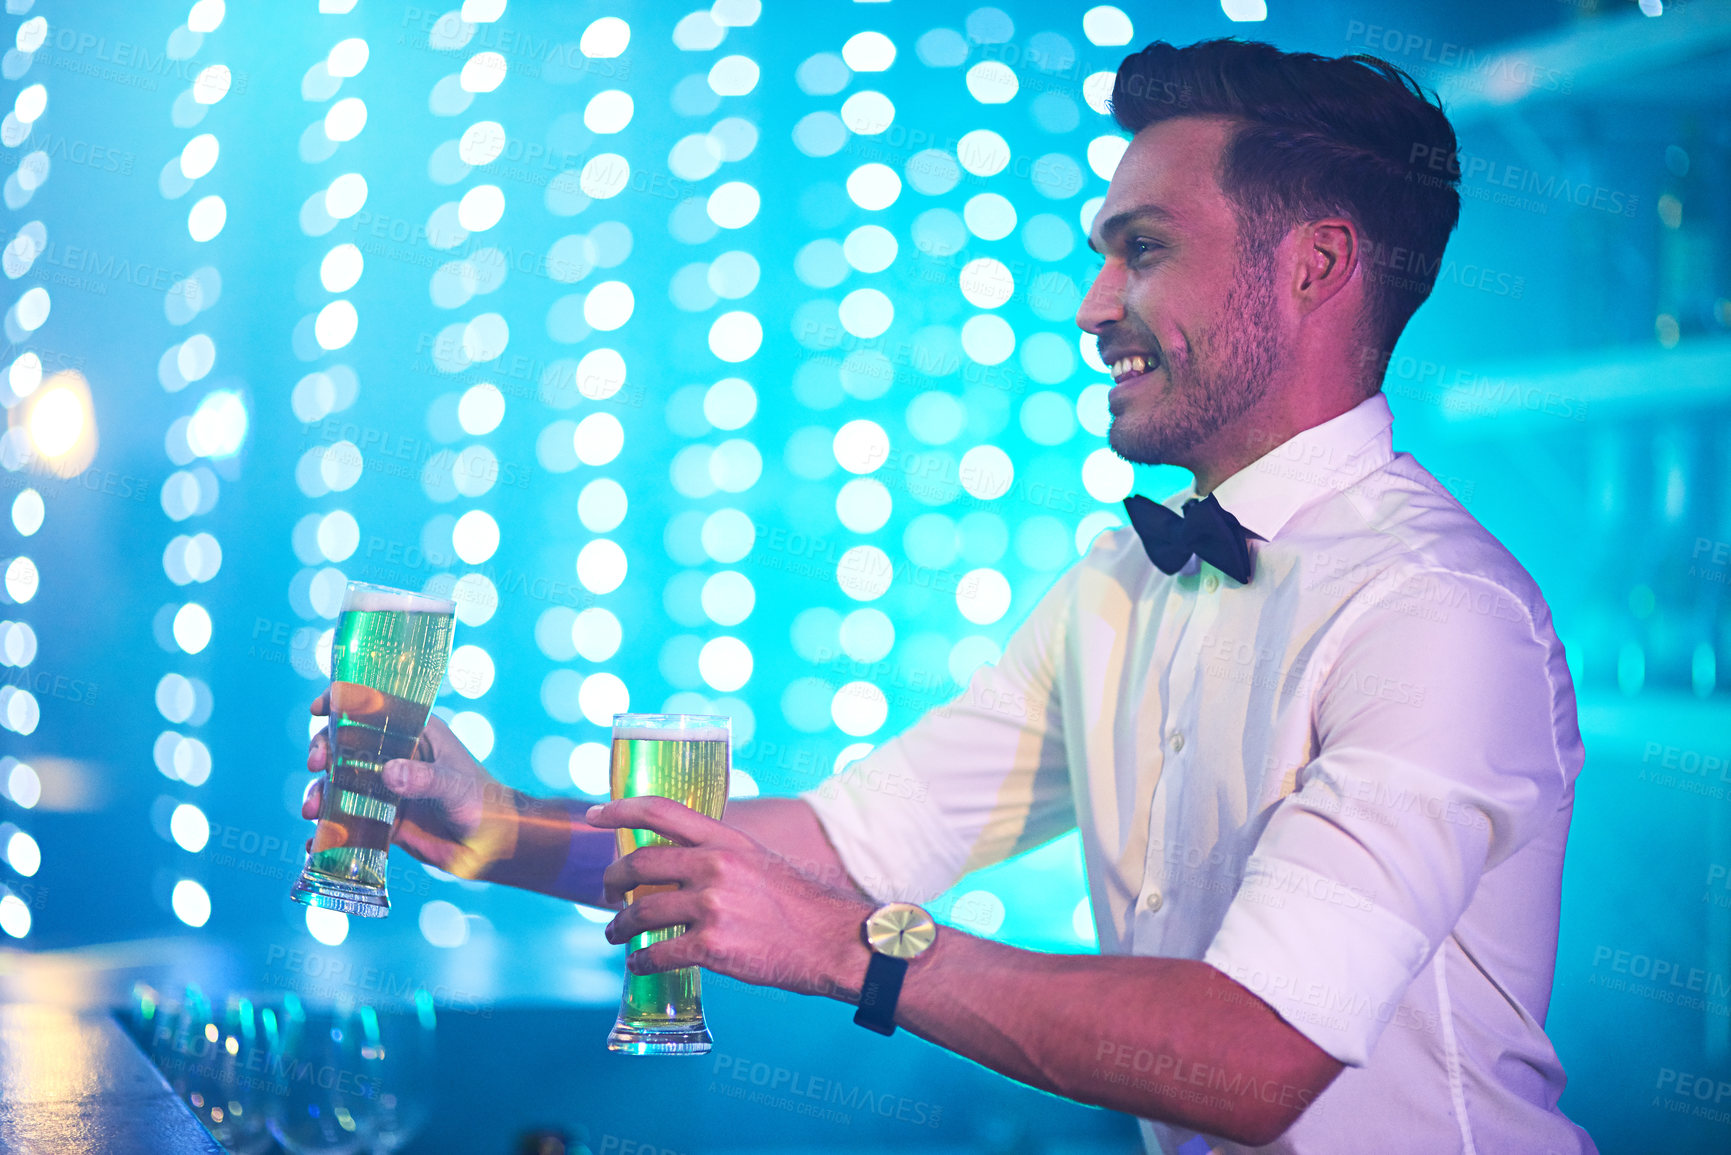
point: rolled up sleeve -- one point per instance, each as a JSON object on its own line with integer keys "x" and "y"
{"x": 971, "y": 783}
{"x": 1437, "y": 758}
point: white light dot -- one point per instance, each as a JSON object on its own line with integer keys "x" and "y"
{"x": 335, "y": 325}
{"x": 858, "y": 709}
{"x": 470, "y": 671}
{"x": 190, "y": 828}
{"x": 207, "y": 218}
{"x": 863, "y": 505}
{"x": 482, "y": 72}
{"x": 590, "y": 767}
{"x": 338, "y": 535}
{"x": 14, "y": 916}
{"x": 481, "y": 143}
{"x": 735, "y": 336}
{"x": 1106, "y": 26}
{"x": 608, "y": 305}
{"x": 191, "y": 903}
{"x": 341, "y": 268}
{"x": 34, "y": 31}
{"x": 602, "y": 505}
{"x": 346, "y": 118}
{"x": 601, "y": 566}
{"x": 864, "y": 573}
{"x": 861, "y": 446}
{"x": 733, "y": 75}
{"x": 1106, "y": 476}
{"x": 992, "y": 82}
{"x": 23, "y": 786}
{"x": 23, "y": 855}
{"x": 32, "y": 309}
{"x": 480, "y": 409}
{"x": 728, "y": 597}
{"x": 604, "y": 176}
{"x": 979, "y": 912}
{"x": 330, "y": 927}
{"x": 598, "y": 439}
{"x": 30, "y": 104}
{"x": 869, "y": 52}
{"x": 605, "y": 38}
{"x": 1093, "y": 411}
{"x": 345, "y": 196}
{"x": 199, "y": 156}
{"x": 983, "y": 152}
{"x": 475, "y": 537}
{"x": 21, "y": 579}
{"x": 874, "y": 186}
{"x": 28, "y": 512}
{"x": 725, "y": 664}
{"x": 986, "y": 472}
{"x": 474, "y": 732}
{"x": 1104, "y": 153}
{"x": 192, "y": 627}
{"x": 866, "y": 313}
{"x": 867, "y": 113}
{"x": 443, "y": 924}
{"x": 983, "y": 596}
{"x": 481, "y": 208}
{"x": 870, "y": 248}
{"x": 347, "y": 57}
{"x": 596, "y": 634}
{"x": 728, "y": 535}
{"x": 990, "y": 216}
{"x": 988, "y": 339}
{"x": 212, "y": 84}
{"x": 733, "y": 205}
{"x": 1239, "y": 11}
{"x": 730, "y": 403}
{"x": 608, "y": 112}
{"x": 1097, "y": 91}
{"x": 987, "y": 283}
{"x": 601, "y": 696}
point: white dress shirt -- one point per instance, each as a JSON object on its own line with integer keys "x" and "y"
{"x": 1346, "y": 784}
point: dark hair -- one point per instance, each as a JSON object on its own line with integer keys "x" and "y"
{"x": 1318, "y": 136}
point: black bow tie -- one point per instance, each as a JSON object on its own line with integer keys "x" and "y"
{"x": 1205, "y": 530}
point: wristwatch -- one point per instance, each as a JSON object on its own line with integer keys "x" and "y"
{"x": 896, "y": 933}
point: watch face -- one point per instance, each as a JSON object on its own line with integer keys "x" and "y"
{"x": 900, "y": 930}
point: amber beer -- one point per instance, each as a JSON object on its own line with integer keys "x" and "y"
{"x": 388, "y": 657}
{"x": 683, "y": 757}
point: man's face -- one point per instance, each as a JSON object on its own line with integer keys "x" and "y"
{"x": 1189, "y": 331}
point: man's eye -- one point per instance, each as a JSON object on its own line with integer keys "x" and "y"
{"x": 1142, "y": 246}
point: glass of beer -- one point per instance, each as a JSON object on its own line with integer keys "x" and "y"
{"x": 683, "y": 757}
{"x": 387, "y": 659}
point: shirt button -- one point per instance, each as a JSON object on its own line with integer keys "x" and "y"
{"x": 1153, "y": 901}
{"x": 1176, "y": 741}
{"x": 1210, "y": 583}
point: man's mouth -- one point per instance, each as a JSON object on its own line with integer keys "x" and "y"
{"x": 1132, "y": 365}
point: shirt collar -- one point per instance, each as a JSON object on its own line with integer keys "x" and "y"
{"x": 1323, "y": 459}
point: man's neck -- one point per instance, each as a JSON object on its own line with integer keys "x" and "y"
{"x": 1261, "y": 430}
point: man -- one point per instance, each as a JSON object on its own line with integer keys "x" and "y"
{"x": 1323, "y": 772}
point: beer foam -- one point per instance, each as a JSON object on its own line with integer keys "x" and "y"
{"x": 395, "y": 601}
{"x": 671, "y": 734}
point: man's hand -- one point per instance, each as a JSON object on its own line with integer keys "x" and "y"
{"x": 454, "y": 815}
{"x": 747, "y": 912}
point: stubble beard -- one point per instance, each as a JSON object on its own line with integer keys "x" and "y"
{"x": 1228, "y": 370}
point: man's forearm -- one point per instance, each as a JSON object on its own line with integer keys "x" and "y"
{"x": 1168, "y": 1039}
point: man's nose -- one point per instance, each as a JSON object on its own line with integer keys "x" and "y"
{"x": 1104, "y": 303}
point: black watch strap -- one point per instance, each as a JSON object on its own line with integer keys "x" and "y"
{"x": 878, "y": 995}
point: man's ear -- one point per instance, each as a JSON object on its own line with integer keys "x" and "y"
{"x": 1328, "y": 252}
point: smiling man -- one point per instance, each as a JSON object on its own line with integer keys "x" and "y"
{"x": 1310, "y": 718}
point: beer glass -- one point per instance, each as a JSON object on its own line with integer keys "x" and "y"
{"x": 387, "y": 660}
{"x": 683, "y": 757}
